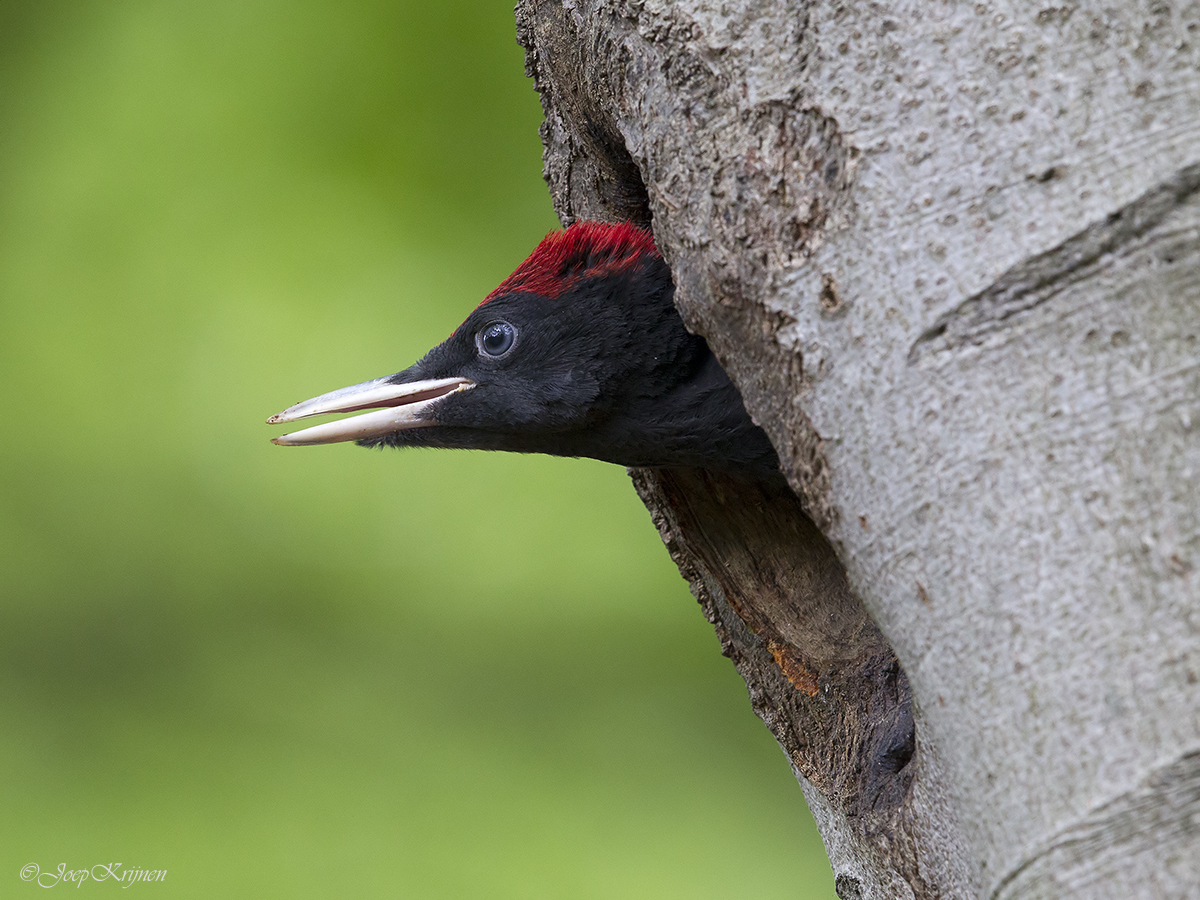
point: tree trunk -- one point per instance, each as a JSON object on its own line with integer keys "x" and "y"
{"x": 950, "y": 253}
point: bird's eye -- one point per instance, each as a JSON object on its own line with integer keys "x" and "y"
{"x": 497, "y": 338}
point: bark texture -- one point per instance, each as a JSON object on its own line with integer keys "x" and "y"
{"x": 950, "y": 254}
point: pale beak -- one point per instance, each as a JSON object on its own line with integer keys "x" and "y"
{"x": 398, "y": 406}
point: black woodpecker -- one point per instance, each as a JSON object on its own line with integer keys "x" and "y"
{"x": 580, "y": 352}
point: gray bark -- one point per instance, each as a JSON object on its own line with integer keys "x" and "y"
{"x": 950, "y": 254}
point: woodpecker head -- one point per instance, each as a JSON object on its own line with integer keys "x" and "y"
{"x": 580, "y": 352}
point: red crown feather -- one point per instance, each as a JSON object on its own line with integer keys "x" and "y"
{"x": 583, "y": 249}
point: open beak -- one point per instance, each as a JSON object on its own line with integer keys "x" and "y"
{"x": 397, "y": 407}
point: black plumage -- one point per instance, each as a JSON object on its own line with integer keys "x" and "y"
{"x": 580, "y": 352}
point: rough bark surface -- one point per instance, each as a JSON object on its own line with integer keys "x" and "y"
{"x": 950, "y": 254}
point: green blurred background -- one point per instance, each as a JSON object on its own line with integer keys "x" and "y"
{"x": 321, "y": 672}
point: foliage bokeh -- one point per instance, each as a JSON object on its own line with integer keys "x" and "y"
{"x": 321, "y": 672}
